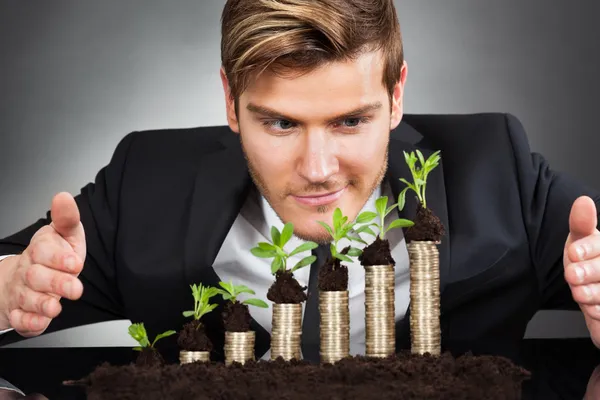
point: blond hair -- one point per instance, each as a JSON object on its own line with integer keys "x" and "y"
{"x": 296, "y": 36}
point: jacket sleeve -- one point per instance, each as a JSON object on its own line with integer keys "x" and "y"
{"x": 99, "y": 207}
{"x": 546, "y": 200}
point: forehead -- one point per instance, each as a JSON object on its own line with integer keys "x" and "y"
{"x": 329, "y": 89}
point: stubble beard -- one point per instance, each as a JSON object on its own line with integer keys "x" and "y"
{"x": 321, "y": 237}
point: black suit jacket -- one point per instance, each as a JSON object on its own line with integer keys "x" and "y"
{"x": 157, "y": 214}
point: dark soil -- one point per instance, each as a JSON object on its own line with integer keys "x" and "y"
{"x": 236, "y": 317}
{"x": 403, "y": 376}
{"x": 333, "y": 276}
{"x": 193, "y": 337}
{"x": 427, "y": 226}
{"x": 286, "y": 289}
{"x": 149, "y": 357}
{"x": 377, "y": 253}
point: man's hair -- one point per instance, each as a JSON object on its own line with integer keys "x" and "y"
{"x": 297, "y": 36}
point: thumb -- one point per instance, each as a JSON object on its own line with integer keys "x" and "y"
{"x": 65, "y": 217}
{"x": 583, "y": 218}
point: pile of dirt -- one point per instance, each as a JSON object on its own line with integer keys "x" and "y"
{"x": 402, "y": 376}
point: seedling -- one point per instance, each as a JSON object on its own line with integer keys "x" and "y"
{"x": 202, "y": 295}
{"x": 138, "y": 332}
{"x": 382, "y": 211}
{"x": 419, "y": 175}
{"x": 231, "y": 292}
{"x": 276, "y": 250}
{"x": 342, "y": 229}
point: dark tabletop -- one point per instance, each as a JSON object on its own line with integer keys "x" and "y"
{"x": 561, "y": 369}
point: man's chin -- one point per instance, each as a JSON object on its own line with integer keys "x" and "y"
{"x": 313, "y": 235}
{"x": 308, "y": 229}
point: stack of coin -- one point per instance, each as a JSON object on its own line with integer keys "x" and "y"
{"x": 380, "y": 325}
{"x": 239, "y": 347}
{"x": 335, "y": 326}
{"x": 425, "y": 298}
{"x": 186, "y": 357}
{"x": 286, "y": 331}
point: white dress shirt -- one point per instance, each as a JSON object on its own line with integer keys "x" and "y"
{"x": 235, "y": 263}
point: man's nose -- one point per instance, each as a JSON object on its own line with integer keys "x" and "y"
{"x": 318, "y": 161}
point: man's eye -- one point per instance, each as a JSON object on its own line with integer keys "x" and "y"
{"x": 280, "y": 124}
{"x": 351, "y": 122}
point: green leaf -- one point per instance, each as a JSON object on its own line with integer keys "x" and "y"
{"x": 337, "y": 219}
{"x": 419, "y": 182}
{"x": 354, "y": 252}
{"x": 266, "y": 246}
{"x": 366, "y": 229}
{"x": 286, "y": 234}
{"x": 227, "y": 296}
{"x": 256, "y": 303}
{"x": 399, "y": 223}
{"x": 390, "y": 208}
{"x": 275, "y": 236}
{"x": 381, "y": 204}
{"x": 227, "y": 286}
{"x": 421, "y": 158}
{"x": 355, "y": 238}
{"x": 138, "y": 333}
{"x": 262, "y": 253}
{"x": 332, "y": 249}
{"x": 304, "y": 262}
{"x": 402, "y": 198}
{"x": 366, "y": 216}
{"x": 188, "y": 314}
{"x": 243, "y": 289}
{"x": 276, "y": 265}
{"x": 209, "y": 292}
{"x": 327, "y": 227}
{"x": 280, "y": 253}
{"x": 304, "y": 247}
{"x": 210, "y": 308}
{"x": 343, "y": 257}
{"x": 162, "y": 336}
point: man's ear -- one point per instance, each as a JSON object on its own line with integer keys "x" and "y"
{"x": 397, "y": 110}
{"x": 232, "y": 119}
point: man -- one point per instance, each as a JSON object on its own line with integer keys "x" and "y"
{"x": 313, "y": 90}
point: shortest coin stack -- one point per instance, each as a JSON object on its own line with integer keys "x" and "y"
{"x": 380, "y": 323}
{"x": 286, "y": 331}
{"x": 424, "y": 298}
{"x": 239, "y": 347}
{"x": 186, "y": 357}
{"x": 335, "y": 326}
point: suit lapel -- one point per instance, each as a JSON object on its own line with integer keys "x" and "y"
{"x": 436, "y": 200}
{"x": 221, "y": 187}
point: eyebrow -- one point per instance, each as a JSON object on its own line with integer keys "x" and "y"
{"x": 277, "y": 115}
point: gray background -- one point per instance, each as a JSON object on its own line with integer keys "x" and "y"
{"x": 76, "y": 76}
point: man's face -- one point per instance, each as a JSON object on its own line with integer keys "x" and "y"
{"x": 317, "y": 141}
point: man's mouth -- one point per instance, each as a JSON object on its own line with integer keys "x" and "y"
{"x": 320, "y": 199}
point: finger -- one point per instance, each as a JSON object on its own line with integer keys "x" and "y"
{"x": 66, "y": 220}
{"x": 44, "y": 279}
{"x": 54, "y": 252}
{"x": 583, "y": 218}
{"x": 592, "y": 311}
{"x": 586, "y": 294}
{"x": 583, "y": 273}
{"x": 28, "y": 324}
{"x": 38, "y": 303}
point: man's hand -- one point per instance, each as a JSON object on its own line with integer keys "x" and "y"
{"x": 32, "y": 283}
{"x": 582, "y": 262}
